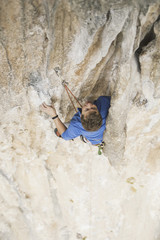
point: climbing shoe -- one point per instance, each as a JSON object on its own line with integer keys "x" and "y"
{"x": 56, "y": 132}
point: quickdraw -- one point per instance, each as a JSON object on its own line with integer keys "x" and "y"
{"x": 100, "y": 148}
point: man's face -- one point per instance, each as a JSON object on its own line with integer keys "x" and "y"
{"x": 89, "y": 107}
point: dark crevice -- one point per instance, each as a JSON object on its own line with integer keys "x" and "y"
{"x": 150, "y": 36}
{"x": 108, "y": 15}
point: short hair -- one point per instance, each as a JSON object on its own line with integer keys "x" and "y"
{"x": 92, "y": 122}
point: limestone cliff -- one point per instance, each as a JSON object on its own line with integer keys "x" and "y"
{"x": 62, "y": 190}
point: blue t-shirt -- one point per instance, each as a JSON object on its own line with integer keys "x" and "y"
{"x": 76, "y": 129}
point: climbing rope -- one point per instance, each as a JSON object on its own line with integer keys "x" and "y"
{"x": 69, "y": 93}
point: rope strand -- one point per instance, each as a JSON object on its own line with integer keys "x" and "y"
{"x": 68, "y": 90}
{"x": 64, "y": 83}
{"x": 70, "y": 99}
{"x": 73, "y": 95}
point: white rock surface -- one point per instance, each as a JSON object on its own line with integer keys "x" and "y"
{"x": 53, "y": 189}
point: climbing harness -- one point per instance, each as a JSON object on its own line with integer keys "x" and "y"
{"x": 69, "y": 93}
{"x": 99, "y": 145}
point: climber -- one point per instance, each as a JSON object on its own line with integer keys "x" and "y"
{"x": 89, "y": 121}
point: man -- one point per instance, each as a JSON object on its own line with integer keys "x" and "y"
{"x": 89, "y": 121}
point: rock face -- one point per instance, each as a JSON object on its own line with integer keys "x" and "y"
{"x": 62, "y": 190}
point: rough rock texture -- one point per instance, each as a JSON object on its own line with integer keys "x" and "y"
{"x": 63, "y": 190}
